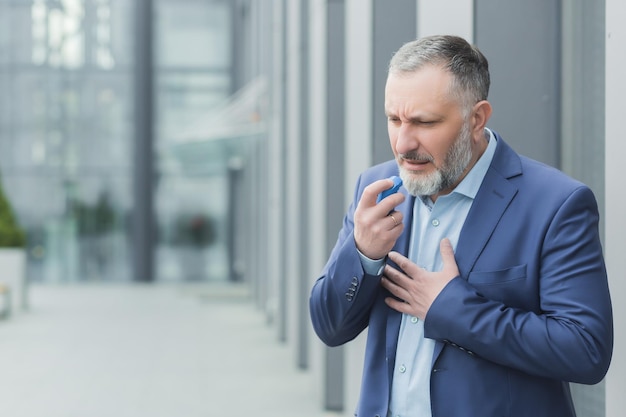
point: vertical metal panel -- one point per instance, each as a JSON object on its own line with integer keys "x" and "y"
{"x": 393, "y": 26}
{"x": 522, "y": 43}
{"x": 318, "y": 142}
{"x": 335, "y": 116}
{"x": 335, "y": 120}
{"x": 282, "y": 180}
{"x": 434, "y": 18}
{"x": 302, "y": 338}
{"x": 582, "y": 81}
{"x": 236, "y": 220}
{"x": 583, "y": 129}
{"x": 239, "y": 28}
{"x": 358, "y": 92}
{"x": 263, "y": 42}
{"x": 275, "y": 167}
{"x": 143, "y": 222}
{"x": 615, "y": 172}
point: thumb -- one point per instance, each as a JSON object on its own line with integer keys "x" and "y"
{"x": 447, "y": 256}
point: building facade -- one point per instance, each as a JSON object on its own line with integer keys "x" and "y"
{"x": 554, "y": 70}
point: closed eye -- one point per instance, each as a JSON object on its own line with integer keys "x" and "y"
{"x": 424, "y": 122}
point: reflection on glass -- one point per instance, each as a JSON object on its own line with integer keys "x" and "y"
{"x": 193, "y": 79}
{"x": 66, "y": 133}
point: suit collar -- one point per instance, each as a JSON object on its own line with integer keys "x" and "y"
{"x": 505, "y": 161}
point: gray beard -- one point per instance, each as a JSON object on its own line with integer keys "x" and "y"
{"x": 456, "y": 161}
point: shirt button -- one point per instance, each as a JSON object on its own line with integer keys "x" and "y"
{"x": 435, "y": 222}
{"x": 413, "y": 319}
{"x": 402, "y": 369}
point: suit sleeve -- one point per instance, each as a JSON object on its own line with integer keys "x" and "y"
{"x": 570, "y": 337}
{"x": 342, "y": 296}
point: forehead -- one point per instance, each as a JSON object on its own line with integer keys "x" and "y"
{"x": 429, "y": 87}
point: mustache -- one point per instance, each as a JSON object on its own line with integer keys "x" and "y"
{"x": 416, "y": 157}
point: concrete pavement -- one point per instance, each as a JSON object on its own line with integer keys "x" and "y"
{"x": 165, "y": 350}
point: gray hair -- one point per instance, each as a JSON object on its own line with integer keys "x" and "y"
{"x": 468, "y": 66}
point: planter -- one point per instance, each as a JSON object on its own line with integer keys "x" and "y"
{"x": 13, "y": 275}
{"x": 193, "y": 263}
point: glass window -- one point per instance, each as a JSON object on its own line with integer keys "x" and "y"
{"x": 192, "y": 80}
{"x": 66, "y": 133}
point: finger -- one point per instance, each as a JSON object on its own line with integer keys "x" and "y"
{"x": 396, "y": 279}
{"x": 392, "y": 274}
{"x": 395, "y": 289}
{"x": 404, "y": 263}
{"x": 396, "y": 218}
{"x": 398, "y": 305}
{"x": 370, "y": 193}
{"x": 390, "y": 203}
{"x": 447, "y": 255}
{"x": 390, "y": 285}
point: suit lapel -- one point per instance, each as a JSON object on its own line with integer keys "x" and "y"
{"x": 493, "y": 198}
{"x": 491, "y": 201}
{"x": 394, "y": 318}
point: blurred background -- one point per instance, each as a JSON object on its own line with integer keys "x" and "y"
{"x": 210, "y": 147}
{"x": 122, "y": 136}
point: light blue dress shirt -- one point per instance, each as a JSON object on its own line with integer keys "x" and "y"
{"x": 410, "y": 391}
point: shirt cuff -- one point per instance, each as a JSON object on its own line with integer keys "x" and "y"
{"x": 372, "y": 266}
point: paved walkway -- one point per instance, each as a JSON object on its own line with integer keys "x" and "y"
{"x": 147, "y": 351}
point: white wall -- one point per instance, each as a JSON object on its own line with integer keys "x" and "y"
{"x": 292, "y": 194}
{"x": 275, "y": 166}
{"x": 358, "y": 90}
{"x": 317, "y": 179}
{"x": 450, "y": 17}
{"x": 359, "y": 136}
{"x": 615, "y": 215}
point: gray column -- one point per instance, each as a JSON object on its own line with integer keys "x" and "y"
{"x": 143, "y": 219}
{"x": 302, "y": 337}
{"x": 335, "y": 209}
{"x": 522, "y": 43}
{"x": 616, "y": 199}
{"x": 393, "y": 26}
{"x": 282, "y": 181}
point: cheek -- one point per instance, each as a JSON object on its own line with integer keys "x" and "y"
{"x": 436, "y": 145}
{"x": 393, "y": 138}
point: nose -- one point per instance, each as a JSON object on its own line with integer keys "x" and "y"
{"x": 406, "y": 141}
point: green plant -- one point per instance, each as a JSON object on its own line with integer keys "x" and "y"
{"x": 11, "y": 234}
{"x": 197, "y": 230}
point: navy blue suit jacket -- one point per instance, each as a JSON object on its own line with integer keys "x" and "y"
{"x": 529, "y": 313}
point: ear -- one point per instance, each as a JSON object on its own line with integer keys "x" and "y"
{"x": 480, "y": 116}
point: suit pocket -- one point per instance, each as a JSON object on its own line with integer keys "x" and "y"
{"x": 509, "y": 286}
{"x": 502, "y": 276}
